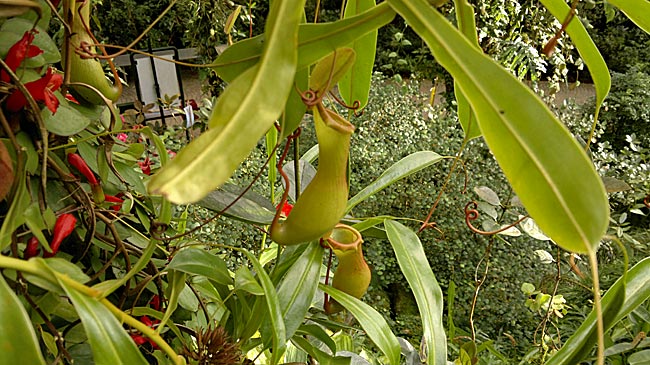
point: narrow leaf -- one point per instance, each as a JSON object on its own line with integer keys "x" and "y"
{"x": 637, "y": 290}
{"x": 401, "y": 169}
{"x": 537, "y": 153}
{"x": 371, "y": 321}
{"x": 587, "y": 50}
{"x": 109, "y": 341}
{"x": 428, "y": 295}
{"x": 244, "y": 112}
{"x": 17, "y": 338}
{"x": 297, "y": 289}
{"x": 636, "y": 10}
{"x": 467, "y": 26}
{"x": 19, "y": 205}
{"x": 274, "y": 310}
{"x": 355, "y": 85}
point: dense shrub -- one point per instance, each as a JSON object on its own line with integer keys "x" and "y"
{"x": 124, "y": 20}
{"x": 622, "y": 44}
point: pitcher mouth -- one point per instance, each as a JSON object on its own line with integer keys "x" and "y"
{"x": 344, "y": 238}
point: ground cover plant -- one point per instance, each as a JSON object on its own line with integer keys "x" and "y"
{"x": 103, "y": 261}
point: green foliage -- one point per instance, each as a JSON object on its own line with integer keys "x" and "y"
{"x": 122, "y": 21}
{"x": 622, "y": 44}
{"x": 133, "y": 280}
{"x": 628, "y": 109}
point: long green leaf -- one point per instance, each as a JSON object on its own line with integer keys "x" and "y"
{"x": 244, "y": 112}
{"x": 196, "y": 261}
{"x": 467, "y": 26}
{"x": 371, "y": 321}
{"x": 428, "y": 295}
{"x": 545, "y": 165}
{"x": 636, "y": 10}
{"x": 315, "y": 41}
{"x": 111, "y": 345}
{"x": 17, "y": 338}
{"x": 637, "y": 291}
{"x": 355, "y": 85}
{"x": 297, "y": 289}
{"x": 399, "y": 170}
{"x": 274, "y": 310}
{"x": 175, "y": 286}
{"x": 587, "y": 49}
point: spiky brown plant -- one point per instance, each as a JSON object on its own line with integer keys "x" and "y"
{"x": 214, "y": 347}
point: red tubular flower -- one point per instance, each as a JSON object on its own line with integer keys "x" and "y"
{"x": 41, "y": 90}
{"x": 146, "y": 166}
{"x": 114, "y": 199}
{"x": 32, "y": 249}
{"x": 18, "y": 52}
{"x": 78, "y": 163}
{"x": 63, "y": 227}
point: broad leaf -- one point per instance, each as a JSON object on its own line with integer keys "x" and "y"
{"x": 245, "y": 111}
{"x": 545, "y": 165}
{"x": 637, "y": 290}
{"x": 17, "y": 338}
{"x": 67, "y": 120}
{"x": 110, "y": 343}
{"x": 315, "y": 41}
{"x": 371, "y": 321}
{"x": 467, "y": 26}
{"x": 636, "y": 10}
{"x": 428, "y": 295}
{"x": 355, "y": 85}
{"x": 195, "y": 261}
{"x": 244, "y": 280}
{"x": 587, "y": 49}
{"x": 401, "y": 169}
{"x": 251, "y": 207}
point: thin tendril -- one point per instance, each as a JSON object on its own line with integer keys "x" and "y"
{"x": 473, "y": 214}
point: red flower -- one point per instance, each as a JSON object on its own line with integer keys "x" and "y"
{"x": 286, "y": 209}
{"x": 18, "y": 52}
{"x": 32, "y": 249}
{"x": 145, "y": 166}
{"x": 41, "y": 90}
{"x": 63, "y": 227}
{"x": 78, "y": 163}
{"x": 122, "y": 137}
{"x": 114, "y": 199}
{"x": 139, "y": 338}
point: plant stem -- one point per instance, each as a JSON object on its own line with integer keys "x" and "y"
{"x": 600, "y": 327}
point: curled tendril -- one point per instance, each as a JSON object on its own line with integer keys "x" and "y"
{"x": 310, "y": 97}
{"x": 157, "y": 230}
{"x": 85, "y": 50}
{"x": 646, "y": 201}
{"x": 355, "y": 105}
{"x": 471, "y": 213}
